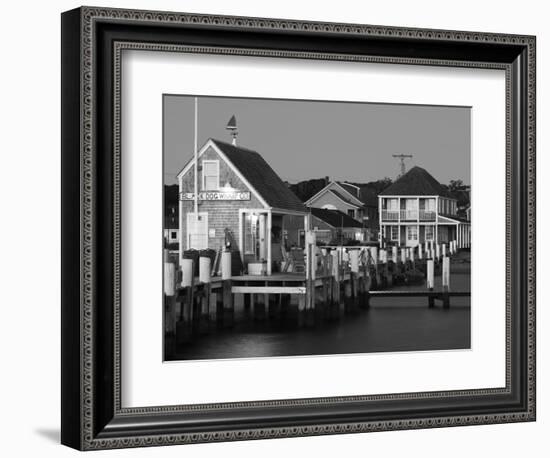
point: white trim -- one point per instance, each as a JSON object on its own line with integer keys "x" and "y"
{"x": 327, "y": 188}
{"x": 211, "y": 143}
{"x": 345, "y": 190}
{"x": 408, "y": 196}
{"x": 433, "y": 232}
{"x": 391, "y": 226}
{"x": 240, "y": 175}
{"x": 268, "y": 289}
{"x": 353, "y": 186}
{"x": 241, "y": 238}
{"x": 349, "y": 204}
{"x": 212, "y": 161}
{"x": 324, "y": 222}
{"x": 269, "y": 242}
{"x": 180, "y": 222}
{"x": 282, "y": 211}
{"x": 187, "y": 233}
{"x": 191, "y": 161}
{"x": 242, "y": 212}
{"x": 450, "y": 220}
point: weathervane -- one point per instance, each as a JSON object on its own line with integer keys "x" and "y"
{"x": 232, "y": 127}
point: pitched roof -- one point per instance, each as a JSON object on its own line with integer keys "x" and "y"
{"x": 368, "y": 196}
{"x": 344, "y": 198}
{"x": 335, "y": 218}
{"x": 262, "y": 177}
{"x": 416, "y": 182}
{"x": 352, "y": 189}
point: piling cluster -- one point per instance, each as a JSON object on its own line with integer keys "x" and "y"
{"x": 338, "y": 280}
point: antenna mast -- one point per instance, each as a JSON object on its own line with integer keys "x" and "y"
{"x": 402, "y": 158}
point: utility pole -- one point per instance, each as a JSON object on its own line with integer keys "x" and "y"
{"x": 402, "y": 158}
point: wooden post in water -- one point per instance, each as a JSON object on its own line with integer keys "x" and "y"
{"x": 330, "y": 286}
{"x": 430, "y": 281}
{"x": 204, "y": 279}
{"x": 353, "y": 278}
{"x": 446, "y": 280}
{"x": 443, "y": 250}
{"x": 184, "y": 326}
{"x": 390, "y": 268}
{"x": 438, "y": 252}
{"x": 170, "y": 294}
{"x": 336, "y": 295}
{"x": 420, "y": 251}
{"x": 228, "y": 308}
{"x": 383, "y": 255}
{"x": 374, "y": 254}
{"x": 310, "y": 277}
{"x": 367, "y": 286}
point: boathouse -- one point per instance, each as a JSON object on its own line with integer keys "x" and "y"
{"x": 242, "y": 204}
{"x": 416, "y": 208}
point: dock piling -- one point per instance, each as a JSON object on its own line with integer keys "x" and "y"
{"x": 430, "y": 281}
{"x": 228, "y": 309}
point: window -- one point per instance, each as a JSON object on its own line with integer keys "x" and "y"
{"x": 173, "y": 235}
{"x": 394, "y": 233}
{"x": 429, "y": 205}
{"x": 412, "y": 233}
{"x": 429, "y": 233}
{"x": 351, "y": 213}
{"x": 392, "y": 204}
{"x": 210, "y": 175}
{"x": 251, "y": 233}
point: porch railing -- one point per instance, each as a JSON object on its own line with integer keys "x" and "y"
{"x": 409, "y": 215}
{"x": 390, "y": 215}
{"x": 427, "y": 215}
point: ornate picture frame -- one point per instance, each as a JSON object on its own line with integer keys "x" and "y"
{"x": 92, "y": 413}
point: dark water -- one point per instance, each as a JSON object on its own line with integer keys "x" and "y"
{"x": 385, "y": 326}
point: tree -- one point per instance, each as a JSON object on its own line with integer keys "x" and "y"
{"x": 456, "y": 185}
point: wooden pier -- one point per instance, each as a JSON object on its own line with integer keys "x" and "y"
{"x": 336, "y": 281}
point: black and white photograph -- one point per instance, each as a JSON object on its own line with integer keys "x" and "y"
{"x": 310, "y": 227}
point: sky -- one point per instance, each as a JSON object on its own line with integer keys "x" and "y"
{"x": 302, "y": 140}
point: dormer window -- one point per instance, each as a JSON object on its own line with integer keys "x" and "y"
{"x": 210, "y": 175}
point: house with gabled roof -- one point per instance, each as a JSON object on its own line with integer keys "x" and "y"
{"x": 357, "y": 202}
{"x": 334, "y": 226}
{"x": 416, "y": 208}
{"x": 241, "y": 201}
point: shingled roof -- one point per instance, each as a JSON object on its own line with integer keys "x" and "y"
{"x": 368, "y": 196}
{"x": 262, "y": 177}
{"x": 416, "y": 182}
{"x": 343, "y": 198}
{"x": 335, "y": 218}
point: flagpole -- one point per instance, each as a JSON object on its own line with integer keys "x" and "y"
{"x": 196, "y": 153}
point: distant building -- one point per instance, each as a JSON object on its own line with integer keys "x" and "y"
{"x": 468, "y": 213}
{"x": 359, "y": 203}
{"x": 241, "y": 201}
{"x": 171, "y": 217}
{"x": 334, "y": 226}
{"x": 417, "y": 208}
